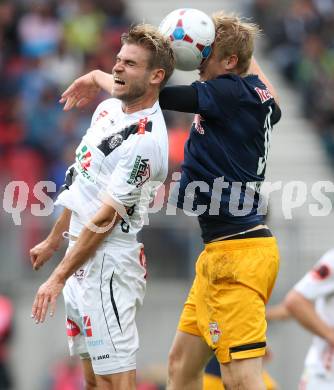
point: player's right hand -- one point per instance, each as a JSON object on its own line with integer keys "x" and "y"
{"x": 81, "y": 92}
{"x": 40, "y": 254}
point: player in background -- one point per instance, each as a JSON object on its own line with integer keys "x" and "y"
{"x": 120, "y": 163}
{"x": 227, "y": 150}
{"x": 311, "y": 303}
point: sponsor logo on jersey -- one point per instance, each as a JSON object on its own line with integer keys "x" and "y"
{"x": 72, "y": 329}
{"x": 197, "y": 124}
{"x": 87, "y": 326}
{"x": 141, "y": 172}
{"x": 214, "y": 332}
{"x": 142, "y": 126}
{"x": 322, "y": 272}
{"x": 83, "y": 159}
{"x": 264, "y": 94}
{"x": 102, "y": 114}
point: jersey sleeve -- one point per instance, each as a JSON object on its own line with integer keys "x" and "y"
{"x": 138, "y": 165}
{"x": 319, "y": 281}
{"x": 180, "y": 98}
{"x": 101, "y": 111}
{"x": 218, "y": 98}
{"x": 277, "y": 114}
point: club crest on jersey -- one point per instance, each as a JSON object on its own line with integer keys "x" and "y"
{"x": 215, "y": 332}
{"x": 141, "y": 172}
{"x": 197, "y": 124}
{"x": 110, "y": 143}
{"x": 115, "y": 141}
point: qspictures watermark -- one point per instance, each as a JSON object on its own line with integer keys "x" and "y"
{"x": 318, "y": 197}
{"x": 15, "y": 199}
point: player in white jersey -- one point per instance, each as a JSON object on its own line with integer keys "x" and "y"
{"x": 311, "y": 302}
{"x": 119, "y": 164}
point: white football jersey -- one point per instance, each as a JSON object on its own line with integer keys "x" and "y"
{"x": 318, "y": 286}
{"x": 123, "y": 158}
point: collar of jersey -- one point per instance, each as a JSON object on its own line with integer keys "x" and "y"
{"x": 145, "y": 112}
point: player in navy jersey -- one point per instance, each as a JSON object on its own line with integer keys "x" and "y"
{"x": 224, "y": 167}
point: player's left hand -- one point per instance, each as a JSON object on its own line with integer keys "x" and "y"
{"x": 46, "y": 298}
{"x": 82, "y": 91}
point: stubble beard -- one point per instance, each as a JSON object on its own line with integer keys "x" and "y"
{"x": 134, "y": 93}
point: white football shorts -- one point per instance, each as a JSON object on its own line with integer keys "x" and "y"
{"x": 101, "y": 300}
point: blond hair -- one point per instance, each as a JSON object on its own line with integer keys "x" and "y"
{"x": 235, "y": 35}
{"x": 149, "y": 37}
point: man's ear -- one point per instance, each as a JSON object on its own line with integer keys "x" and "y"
{"x": 231, "y": 62}
{"x": 157, "y": 76}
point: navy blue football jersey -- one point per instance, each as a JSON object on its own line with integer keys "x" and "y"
{"x": 226, "y": 153}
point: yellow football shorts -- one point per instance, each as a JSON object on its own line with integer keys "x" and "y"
{"x": 226, "y": 303}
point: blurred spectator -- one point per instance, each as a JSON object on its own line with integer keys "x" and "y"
{"x": 63, "y": 66}
{"x": 301, "y": 41}
{"x": 66, "y": 375}
{"x": 43, "y": 123}
{"x": 8, "y": 31}
{"x": 153, "y": 377}
{"x": 11, "y": 125}
{"x": 39, "y": 30}
{"x": 178, "y": 133}
{"x": 33, "y": 81}
{"x": 83, "y": 30}
{"x": 6, "y": 328}
{"x": 116, "y": 11}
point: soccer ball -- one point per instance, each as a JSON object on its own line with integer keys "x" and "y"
{"x": 192, "y": 33}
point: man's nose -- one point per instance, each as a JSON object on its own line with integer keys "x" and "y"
{"x": 118, "y": 67}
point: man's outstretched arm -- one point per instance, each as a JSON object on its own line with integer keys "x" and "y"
{"x": 182, "y": 98}
{"x": 255, "y": 68}
{"x": 277, "y": 312}
{"x": 85, "y": 89}
{"x": 43, "y": 251}
{"x": 303, "y": 310}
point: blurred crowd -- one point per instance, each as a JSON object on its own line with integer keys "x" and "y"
{"x": 44, "y": 45}
{"x": 301, "y": 43}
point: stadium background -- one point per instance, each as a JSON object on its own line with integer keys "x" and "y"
{"x": 43, "y": 46}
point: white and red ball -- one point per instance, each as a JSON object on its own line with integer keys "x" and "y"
{"x": 192, "y": 33}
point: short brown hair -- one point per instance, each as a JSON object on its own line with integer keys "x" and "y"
{"x": 235, "y": 35}
{"x": 149, "y": 37}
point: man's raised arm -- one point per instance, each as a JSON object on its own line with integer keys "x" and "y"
{"x": 85, "y": 89}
